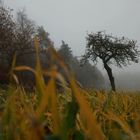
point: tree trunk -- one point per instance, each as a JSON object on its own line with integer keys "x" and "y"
{"x": 110, "y": 75}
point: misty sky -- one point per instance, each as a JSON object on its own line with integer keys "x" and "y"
{"x": 70, "y": 20}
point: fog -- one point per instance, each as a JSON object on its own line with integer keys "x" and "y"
{"x": 70, "y": 20}
{"x": 128, "y": 81}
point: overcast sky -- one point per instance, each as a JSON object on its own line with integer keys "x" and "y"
{"x": 70, "y": 20}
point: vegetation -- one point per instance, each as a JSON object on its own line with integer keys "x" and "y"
{"x": 46, "y": 111}
{"x": 109, "y": 49}
{"x": 74, "y": 114}
{"x": 16, "y": 37}
{"x": 93, "y": 77}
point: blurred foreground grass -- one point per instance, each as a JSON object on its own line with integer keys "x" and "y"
{"x": 74, "y": 114}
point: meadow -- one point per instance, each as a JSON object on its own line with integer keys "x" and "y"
{"x": 71, "y": 113}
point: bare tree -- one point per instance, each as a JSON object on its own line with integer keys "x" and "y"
{"x": 111, "y": 50}
{"x": 7, "y": 34}
{"x": 25, "y": 31}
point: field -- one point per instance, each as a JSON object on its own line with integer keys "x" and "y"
{"x": 70, "y": 114}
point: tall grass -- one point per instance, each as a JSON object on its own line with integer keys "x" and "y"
{"x": 74, "y": 114}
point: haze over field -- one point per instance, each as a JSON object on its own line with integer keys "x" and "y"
{"x": 70, "y": 20}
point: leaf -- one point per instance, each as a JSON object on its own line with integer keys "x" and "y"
{"x": 69, "y": 121}
{"x": 92, "y": 128}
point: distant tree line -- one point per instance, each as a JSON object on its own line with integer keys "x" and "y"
{"x": 17, "y": 38}
{"x": 16, "y": 35}
{"x": 88, "y": 75}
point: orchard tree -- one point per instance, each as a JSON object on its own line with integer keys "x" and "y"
{"x": 111, "y": 50}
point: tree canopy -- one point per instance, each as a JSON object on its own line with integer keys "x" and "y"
{"x": 111, "y": 50}
{"x": 66, "y": 52}
{"x": 43, "y": 38}
{"x": 16, "y": 37}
